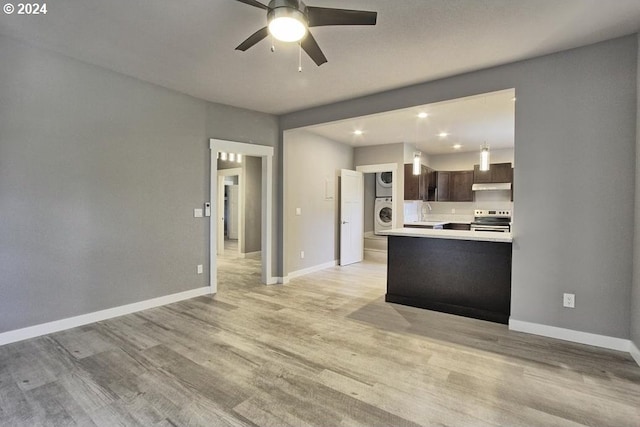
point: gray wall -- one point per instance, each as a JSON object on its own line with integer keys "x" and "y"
{"x": 252, "y": 204}
{"x": 635, "y": 292}
{"x": 575, "y": 155}
{"x": 310, "y": 161}
{"x": 99, "y": 176}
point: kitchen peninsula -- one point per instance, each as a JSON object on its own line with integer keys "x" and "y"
{"x": 460, "y": 272}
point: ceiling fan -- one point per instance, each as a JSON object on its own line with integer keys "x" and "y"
{"x": 290, "y": 20}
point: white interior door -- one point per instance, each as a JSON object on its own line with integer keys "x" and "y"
{"x": 232, "y": 217}
{"x": 351, "y": 217}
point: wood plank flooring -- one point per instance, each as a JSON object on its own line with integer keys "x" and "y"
{"x": 323, "y": 350}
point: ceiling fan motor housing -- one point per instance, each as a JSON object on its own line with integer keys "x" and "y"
{"x": 287, "y": 8}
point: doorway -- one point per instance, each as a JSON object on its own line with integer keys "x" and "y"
{"x": 230, "y": 209}
{"x": 265, "y": 154}
{"x": 375, "y": 202}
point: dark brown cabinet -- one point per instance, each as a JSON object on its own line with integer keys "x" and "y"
{"x": 443, "y": 192}
{"x": 419, "y": 187}
{"x": 455, "y": 186}
{"x": 497, "y": 173}
{"x": 411, "y": 184}
{"x": 461, "y": 184}
{"x": 431, "y": 184}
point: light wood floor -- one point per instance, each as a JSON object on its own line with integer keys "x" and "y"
{"x": 324, "y": 350}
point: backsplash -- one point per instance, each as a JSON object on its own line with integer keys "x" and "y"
{"x": 417, "y": 210}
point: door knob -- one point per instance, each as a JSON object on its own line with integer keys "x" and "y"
{"x": 345, "y": 222}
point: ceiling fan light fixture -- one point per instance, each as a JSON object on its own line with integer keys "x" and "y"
{"x": 287, "y": 24}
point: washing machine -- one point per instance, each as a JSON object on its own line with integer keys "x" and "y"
{"x": 383, "y": 184}
{"x": 382, "y": 214}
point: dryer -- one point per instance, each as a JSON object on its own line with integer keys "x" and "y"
{"x": 384, "y": 180}
{"x": 382, "y": 214}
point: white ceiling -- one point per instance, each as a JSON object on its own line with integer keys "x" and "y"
{"x": 468, "y": 122}
{"x": 189, "y": 46}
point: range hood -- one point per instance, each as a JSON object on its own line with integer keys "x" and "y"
{"x": 502, "y": 186}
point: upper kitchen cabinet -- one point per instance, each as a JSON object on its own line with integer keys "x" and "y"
{"x": 419, "y": 187}
{"x": 497, "y": 173}
{"x": 412, "y": 184}
{"x": 455, "y": 186}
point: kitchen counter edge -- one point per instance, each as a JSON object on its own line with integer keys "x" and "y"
{"x": 484, "y": 236}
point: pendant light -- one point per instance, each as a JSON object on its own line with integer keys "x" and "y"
{"x": 416, "y": 163}
{"x": 484, "y": 158}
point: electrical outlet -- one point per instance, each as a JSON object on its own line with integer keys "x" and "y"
{"x": 199, "y": 269}
{"x": 453, "y": 210}
{"x": 569, "y": 300}
{"x": 301, "y": 254}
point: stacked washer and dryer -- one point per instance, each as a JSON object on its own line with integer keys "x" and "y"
{"x": 383, "y": 206}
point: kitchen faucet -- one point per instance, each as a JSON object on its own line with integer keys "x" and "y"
{"x": 423, "y": 210}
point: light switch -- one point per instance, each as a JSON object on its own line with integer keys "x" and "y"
{"x": 197, "y": 213}
{"x": 298, "y": 211}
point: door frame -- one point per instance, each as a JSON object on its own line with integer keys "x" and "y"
{"x": 266, "y": 153}
{"x": 222, "y": 173}
{"x": 397, "y": 203}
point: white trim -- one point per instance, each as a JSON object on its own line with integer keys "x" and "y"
{"x": 379, "y": 251}
{"x": 283, "y": 280}
{"x": 256, "y": 254}
{"x": 634, "y": 351}
{"x": 596, "y": 340}
{"x": 97, "y": 316}
{"x": 382, "y": 167}
{"x": 308, "y": 270}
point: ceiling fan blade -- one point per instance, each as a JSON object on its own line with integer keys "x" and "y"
{"x": 253, "y": 39}
{"x": 310, "y": 46}
{"x": 254, "y": 3}
{"x": 322, "y": 16}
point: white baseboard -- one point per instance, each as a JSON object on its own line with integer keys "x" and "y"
{"x": 379, "y": 251}
{"x": 97, "y": 316}
{"x": 635, "y": 352}
{"x": 596, "y": 340}
{"x": 306, "y": 271}
{"x": 253, "y": 255}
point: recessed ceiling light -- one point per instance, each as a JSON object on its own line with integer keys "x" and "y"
{"x": 457, "y": 147}
{"x": 423, "y": 115}
{"x": 357, "y": 132}
{"x": 443, "y": 134}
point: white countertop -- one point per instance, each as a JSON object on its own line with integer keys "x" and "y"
{"x": 485, "y": 236}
